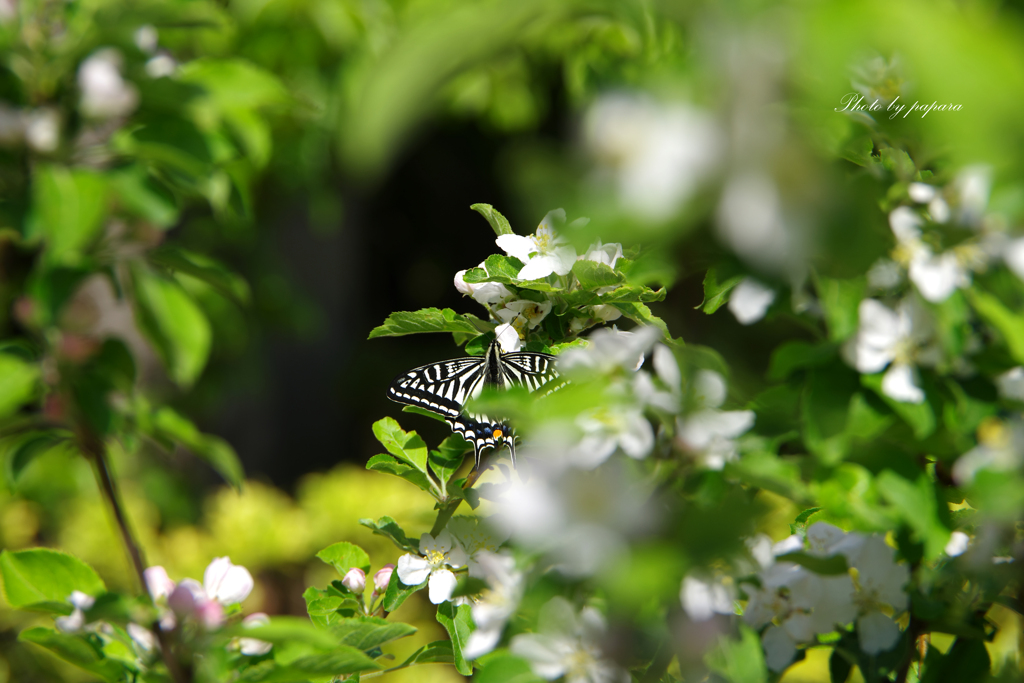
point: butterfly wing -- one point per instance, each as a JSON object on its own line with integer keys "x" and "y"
{"x": 531, "y": 370}
{"x": 441, "y": 388}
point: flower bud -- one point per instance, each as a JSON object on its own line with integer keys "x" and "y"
{"x": 355, "y": 580}
{"x": 182, "y": 599}
{"x": 382, "y": 578}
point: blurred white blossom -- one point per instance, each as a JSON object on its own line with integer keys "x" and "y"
{"x": 656, "y": 155}
{"x": 957, "y": 545}
{"x": 751, "y": 222}
{"x": 437, "y": 554}
{"x": 254, "y": 646}
{"x": 936, "y": 276}
{"x": 543, "y": 253}
{"x": 1011, "y": 384}
{"x": 1000, "y": 448}
{"x": 609, "y": 350}
{"x": 702, "y": 599}
{"x": 493, "y": 608}
{"x": 475, "y": 536}
{"x": 42, "y": 129}
{"x": 568, "y": 644}
{"x": 608, "y": 254}
{"x": 161, "y": 65}
{"x": 898, "y": 340}
{"x": 105, "y": 93}
{"x": 707, "y": 432}
{"x": 750, "y": 300}
{"x": 1014, "y": 257}
{"x": 74, "y": 622}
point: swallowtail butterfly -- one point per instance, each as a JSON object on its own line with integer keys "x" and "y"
{"x": 444, "y": 388}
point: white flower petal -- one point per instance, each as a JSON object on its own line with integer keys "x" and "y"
{"x": 703, "y": 599}
{"x": 158, "y": 583}
{"x": 72, "y": 623}
{"x": 227, "y": 583}
{"x": 779, "y": 648}
{"x": 1011, "y": 384}
{"x": 937, "y": 277}
{"x": 481, "y": 641}
{"x": 905, "y": 224}
{"x": 508, "y": 338}
{"x": 540, "y": 267}
{"x": 900, "y": 384}
{"x": 442, "y": 583}
{"x": 637, "y": 439}
{"x": 822, "y": 537}
{"x": 81, "y": 600}
{"x": 957, "y": 545}
{"x": 921, "y": 192}
{"x": 877, "y": 632}
{"x": 413, "y": 570}
{"x": 666, "y": 367}
{"x": 1014, "y": 257}
{"x": 709, "y": 389}
{"x": 547, "y": 659}
{"x": 750, "y": 300}
{"x": 939, "y": 210}
{"x": 517, "y": 246}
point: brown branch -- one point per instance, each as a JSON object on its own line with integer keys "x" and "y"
{"x": 94, "y": 449}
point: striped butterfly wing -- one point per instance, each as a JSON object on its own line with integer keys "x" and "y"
{"x": 441, "y": 388}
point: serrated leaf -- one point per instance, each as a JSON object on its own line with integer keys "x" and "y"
{"x": 35, "y": 578}
{"x": 459, "y": 624}
{"x": 389, "y": 465}
{"x": 594, "y": 275}
{"x": 284, "y": 629}
{"x": 77, "y": 650}
{"x": 499, "y": 223}
{"x": 344, "y": 556}
{"x": 388, "y": 528}
{"x": 406, "y": 446}
{"x": 325, "y": 608}
{"x": 716, "y": 294}
{"x": 397, "y": 592}
{"x": 497, "y": 268}
{"x": 366, "y": 633}
{"x": 428, "y": 320}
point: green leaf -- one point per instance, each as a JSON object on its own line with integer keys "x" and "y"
{"x": 344, "y": 556}
{"x": 839, "y": 667}
{"x": 503, "y": 667}
{"x": 920, "y": 416}
{"x": 428, "y": 320}
{"x": 716, "y": 294}
{"x": 344, "y": 660}
{"x": 284, "y": 629}
{"x": 388, "y": 528}
{"x": 406, "y": 446}
{"x": 1009, "y": 324}
{"x": 437, "y": 651}
{"x": 826, "y": 566}
{"x": 639, "y": 313}
{"x": 18, "y": 384}
{"x": 448, "y": 458}
{"x": 967, "y": 660}
{"x": 739, "y": 661}
{"x": 499, "y": 223}
{"x": 397, "y": 592}
{"x": 68, "y": 210}
{"x": 38, "y": 577}
{"x": 77, "y": 650}
{"x": 366, "y": 633}
{"x": 917, "y": 504}
{"x": 633, "y": 294}
{"x": 141, "y": 194}
{"x": 459, "y": 624}
{"x": 858, "y": 151}
{"x": 594, "y": 275}
{"x": 22, "y": 449}
{"x": 389, "y": 465}
{"x": 420, "y": 411}
{"x": 840, "y": 300}
{"x": 174, "y": 323}
{"x": 497, "y": 268}
{"x": 796, "y": 355}
{"x": 326, "y": 608}
{"x": 202, "y": 268}
{"x": 167, "y": 423}
{"x": 234, "y": 83}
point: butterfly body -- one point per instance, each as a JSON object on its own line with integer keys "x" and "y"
{"x": 444, "y": 388}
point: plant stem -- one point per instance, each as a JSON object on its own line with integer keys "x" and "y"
{"x": 96, "y": 450}
{"x": 445, "y": 513}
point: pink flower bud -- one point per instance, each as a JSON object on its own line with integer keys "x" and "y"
{"x": 158, "y": 583}
{"x": 355, "y": 580}
{"x": 210, "y": 614}
{"x": 182, "y": 599}
{"x": 382, "y": 578}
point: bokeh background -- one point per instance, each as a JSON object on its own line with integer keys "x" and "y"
{"x": 364, "y": 130}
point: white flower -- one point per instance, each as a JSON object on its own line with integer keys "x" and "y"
{"x": 973, "y": 184}
{"x": 254, "y": 646}
{"x": 897, "y": 339}
{"x": 146, "y": 38}
{"x": 524, "y": 314}
{"x": 750, "y": 220}
{"x": 476, "y": 536}
{"x": 508, "y": 338}
{"x": 703, "y": 599}
{"x": 483, "y": 292}
{"x": 707, "y": 431}
{"x": 880, "y": 584}
{"x": 608, "y": 428}
{"x": 161, "y": 65}
{"x": 608, "y": 254}
{"x": 608, "y": 351}
{"x": 921, "y": 192}
{"x": 568, "y": 645}
{"x": 957, "y": 545}
{"x": 1011, "y": 384}
{"x": 158, "y": 582}
{"x": 750, "y": 300}
{"x": 74, "y": 622}
{"x": 936, "y": 276}
{"x": 437, "y": 554}
{"x": 542, "y": 253}
{"x": 885, "y": 274}
{"x": 227, "y": 583}
{"x": 105, "y": 94}
{"x": 496, "y": 605}
{"x": 657, "y": 155}
{"x": 355, "y": 580}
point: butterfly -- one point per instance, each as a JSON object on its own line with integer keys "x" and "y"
{"x": 443, "y": 388}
